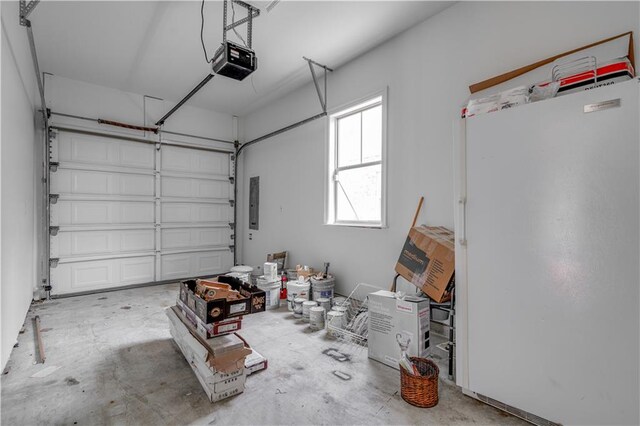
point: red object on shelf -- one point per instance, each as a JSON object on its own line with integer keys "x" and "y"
{"x": 283, "y": 287}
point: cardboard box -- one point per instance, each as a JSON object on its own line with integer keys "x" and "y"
{"x": 306, "y": 274}
{"x": 390, "y": 317}
{"x": 189, "y": 345}
{"x": 427, "y": 260}
{"x": 225, "y": 361}
{"x": 220, "y": 390}
{"x": 255, "y": 362}
{"x": 253, "y": 301}
{"x": 270, "y": 271}
{"x": 212, "y": 329}
{"x": 607, "y": 73}
{"x": 222, "y": 345}
{"x": 257, "y": 296}
{"x": 217, "y": 380}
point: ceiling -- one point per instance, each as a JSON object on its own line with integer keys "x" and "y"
{"x": 154, "y": 48}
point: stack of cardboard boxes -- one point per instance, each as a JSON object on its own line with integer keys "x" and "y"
{"x": 427, "y": 261}
{"x": 205, "y": 332}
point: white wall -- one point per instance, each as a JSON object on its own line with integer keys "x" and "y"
{"x": 19, "y": 175}
{"x": 73, "y": 97}
{"x": 428, "y": 70}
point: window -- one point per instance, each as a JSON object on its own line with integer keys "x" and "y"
{"x": 356, "y": 172}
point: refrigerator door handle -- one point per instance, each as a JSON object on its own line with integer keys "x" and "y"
{"x": 462, "y": 206}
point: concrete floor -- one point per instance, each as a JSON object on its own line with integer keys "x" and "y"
{"x": 117, "y": 364}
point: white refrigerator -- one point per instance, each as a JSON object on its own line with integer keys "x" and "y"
{"x": 548, "y": 255}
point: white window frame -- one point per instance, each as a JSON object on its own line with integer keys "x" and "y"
{"x": 377, "y": 98}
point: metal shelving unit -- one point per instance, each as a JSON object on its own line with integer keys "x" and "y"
{"x": 450, "y": 325}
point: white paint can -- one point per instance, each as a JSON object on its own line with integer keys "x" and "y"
{"x": 323, "y": 289}
{"x": 338, "y": 300}
{"x": 242, "y": 272}
{"x": 316, "y": 318}
{"x": 296, "y": 289}
{"x": 325, "y": 303}
{"x": 297, "y": 306}
{"x": 344, "y": 310}
{"x": 272, "y": 292}
{"x": 336, "y": 319}
{"x": 306, "y": 306}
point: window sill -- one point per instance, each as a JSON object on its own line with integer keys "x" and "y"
{"x": 358, "y": 225}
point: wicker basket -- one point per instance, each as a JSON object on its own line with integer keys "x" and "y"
{"x": 421, "y": 391}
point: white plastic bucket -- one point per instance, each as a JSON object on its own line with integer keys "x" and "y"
{"x": 272, "y": 292}
{"x": 296, "y": 289}
{"x": 338, "y": 300}
{"x": 336, "y": 319}
{"x": 345, "y": 311}
{"x": 323, "y": 289}
{"x": 316, "y": 318}
{"x": 325, "y": 303}
{"x": 306, "y": 306}
{"x": 297, "y": 306}
{"x": 242, "y": 272}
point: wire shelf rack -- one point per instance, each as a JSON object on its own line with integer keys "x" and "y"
{"x": 352, "y": 326}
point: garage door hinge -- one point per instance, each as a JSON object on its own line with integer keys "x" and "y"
{"x": 232, "y": 236}
{"x": 232, "y": 225}
{"x": 231, "y": 247}
{"x": 53, "y": 230}
{"x": 53, "y": 262}
{"x": 231, "y": 179}
{"x": 231, "y": 203}
{"x": 53, "y": 198}
{"x": 52, "y": 133}
{"x": 53, "y": 166}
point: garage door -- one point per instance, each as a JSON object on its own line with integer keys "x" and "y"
{"x": 128, "y": 212}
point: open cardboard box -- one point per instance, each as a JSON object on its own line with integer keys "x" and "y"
{"x": 427, "y": 260}
{"x": 252, "y": 301}
{"x": 227, "y": 362}
{"x": 212, "y": 329}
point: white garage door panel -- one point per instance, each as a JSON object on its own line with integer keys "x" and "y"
{"x": 195, "y": 212}
{"x": 71, "y": 181}
{"x": 180, "y": 265}
{"x": 101, "y": 212}
{"x": 99, "y": 274}
{"x": 98, "y": 150}
{"x": 196, "y": 161}
{"x": 194, "y": 188}
{"x": 79, "y": 243}
{"x": 128, "y": 213}
{"x": 177, "y": 238}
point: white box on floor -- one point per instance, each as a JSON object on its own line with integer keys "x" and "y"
{"x": 221, "y": 390}
{"x": 255, "y": 362}
{"x": 389, "y": 317}
{"x": 216, "y": 384}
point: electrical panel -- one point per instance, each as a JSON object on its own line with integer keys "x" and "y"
{"x": 254, "y": 202}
